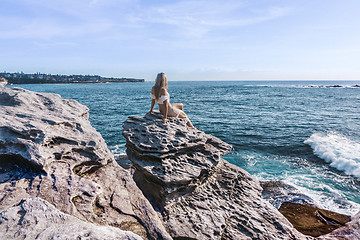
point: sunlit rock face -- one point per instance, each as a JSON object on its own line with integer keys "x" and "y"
{"x": 35, "y": 218}
{"x": 50, "y": 151}
{"x": 199, "y": 195}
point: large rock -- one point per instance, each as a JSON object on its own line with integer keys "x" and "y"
{"x": 200, "y": 195}
{"x": 311, "y": 220}
{"x": 35, "y": 218}
{"x": 49, "y": 150}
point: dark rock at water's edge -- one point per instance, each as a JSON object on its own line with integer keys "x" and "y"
{"x": 312, "y": 221}
{"x": 306, "y": 216}
{"x": 199, "y": 195}
{"x": 334, "y": 86}
{"x": 59, "y": 179}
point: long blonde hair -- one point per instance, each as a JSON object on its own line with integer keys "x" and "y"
{"x": 160, "y": 82}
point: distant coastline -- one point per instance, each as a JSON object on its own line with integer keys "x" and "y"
{"x": 38, "y": 78}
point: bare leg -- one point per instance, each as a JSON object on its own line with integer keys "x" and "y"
{"x": 188, "y": 122}
{"x": 178, "y": 106}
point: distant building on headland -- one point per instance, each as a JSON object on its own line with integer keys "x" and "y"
{"x": 34, "y": 78}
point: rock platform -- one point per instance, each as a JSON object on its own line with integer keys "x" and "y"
{"x": 199, "y": 194}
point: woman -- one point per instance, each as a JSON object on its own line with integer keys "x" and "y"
{"x": 160, "y": 95}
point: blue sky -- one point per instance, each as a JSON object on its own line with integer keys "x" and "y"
{"x": 188, "y": 40}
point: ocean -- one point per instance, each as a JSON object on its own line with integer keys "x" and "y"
{"x": 305, "y": 133}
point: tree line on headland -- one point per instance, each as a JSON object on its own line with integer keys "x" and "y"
{"x": 36, "y": 78}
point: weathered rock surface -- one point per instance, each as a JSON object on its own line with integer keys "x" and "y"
{"x": 312, "y": 221}
{"x": 35, "y": 218}
{"x": 49, "y": 150}
{"x": 200, "y": 195}
{"x": 351, "y": 231}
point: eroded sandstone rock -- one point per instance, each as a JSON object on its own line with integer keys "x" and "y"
{"x": 35, "y": 218}
{"x": 200, "y": 195}
{"x": 49, "y": 150}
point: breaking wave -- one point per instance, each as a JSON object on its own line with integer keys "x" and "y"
{"x": 341, "y": 152}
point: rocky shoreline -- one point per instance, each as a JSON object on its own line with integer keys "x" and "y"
{"x": 49, "y": 150}
{"x": 59, "y": 180}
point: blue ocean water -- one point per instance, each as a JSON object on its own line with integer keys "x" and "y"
{"x": 306, "y": 134}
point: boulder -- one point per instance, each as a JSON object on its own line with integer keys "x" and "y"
{"x": 49, "y": 150}
{"x": 199, "y": 194}
{"x": 311, "y": 220}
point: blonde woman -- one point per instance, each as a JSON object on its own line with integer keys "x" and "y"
{"x": 160, "y": 95}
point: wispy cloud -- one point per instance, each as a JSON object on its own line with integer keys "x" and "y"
{"x": 196, "y": 18}
{"x": 53, "y": 19}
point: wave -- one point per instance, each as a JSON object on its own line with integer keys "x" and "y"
{"x": 341, "y": 152}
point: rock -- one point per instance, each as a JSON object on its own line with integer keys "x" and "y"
{"x": 351, "y": 230}
{"x": 278, "y": 192}
{"x": 334, "y": 86}
{"x": 312, "y": 221}
{"x": 49, "y": 150}
{"x": 35, "y": 218}
{"x": 199, "y": 195}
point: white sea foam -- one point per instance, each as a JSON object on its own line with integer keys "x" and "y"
{"x": 119, "y": 149}
{"x": 331, "y": 200}
{"x": 341, "y": 152}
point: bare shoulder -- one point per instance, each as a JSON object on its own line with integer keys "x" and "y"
{"x": 163, "y": 91}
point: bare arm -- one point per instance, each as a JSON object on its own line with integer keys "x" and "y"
{"x": 166, "y": 103}
{"x": 152, "y": 102}
{"x": 152, "y": 106}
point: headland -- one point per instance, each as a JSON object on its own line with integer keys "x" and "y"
{"x": 38, "y": 78}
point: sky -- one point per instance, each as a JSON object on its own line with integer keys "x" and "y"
{"x": 186, "y": 39}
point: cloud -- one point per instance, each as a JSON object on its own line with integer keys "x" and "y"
{"x": 53, "y": 19}
{"x": 188, "y": 19}
{"x": 196, "y": 18}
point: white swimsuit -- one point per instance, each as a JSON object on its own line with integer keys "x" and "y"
{"x": 173, "y": 112}
{"x": 161, "y": 99}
